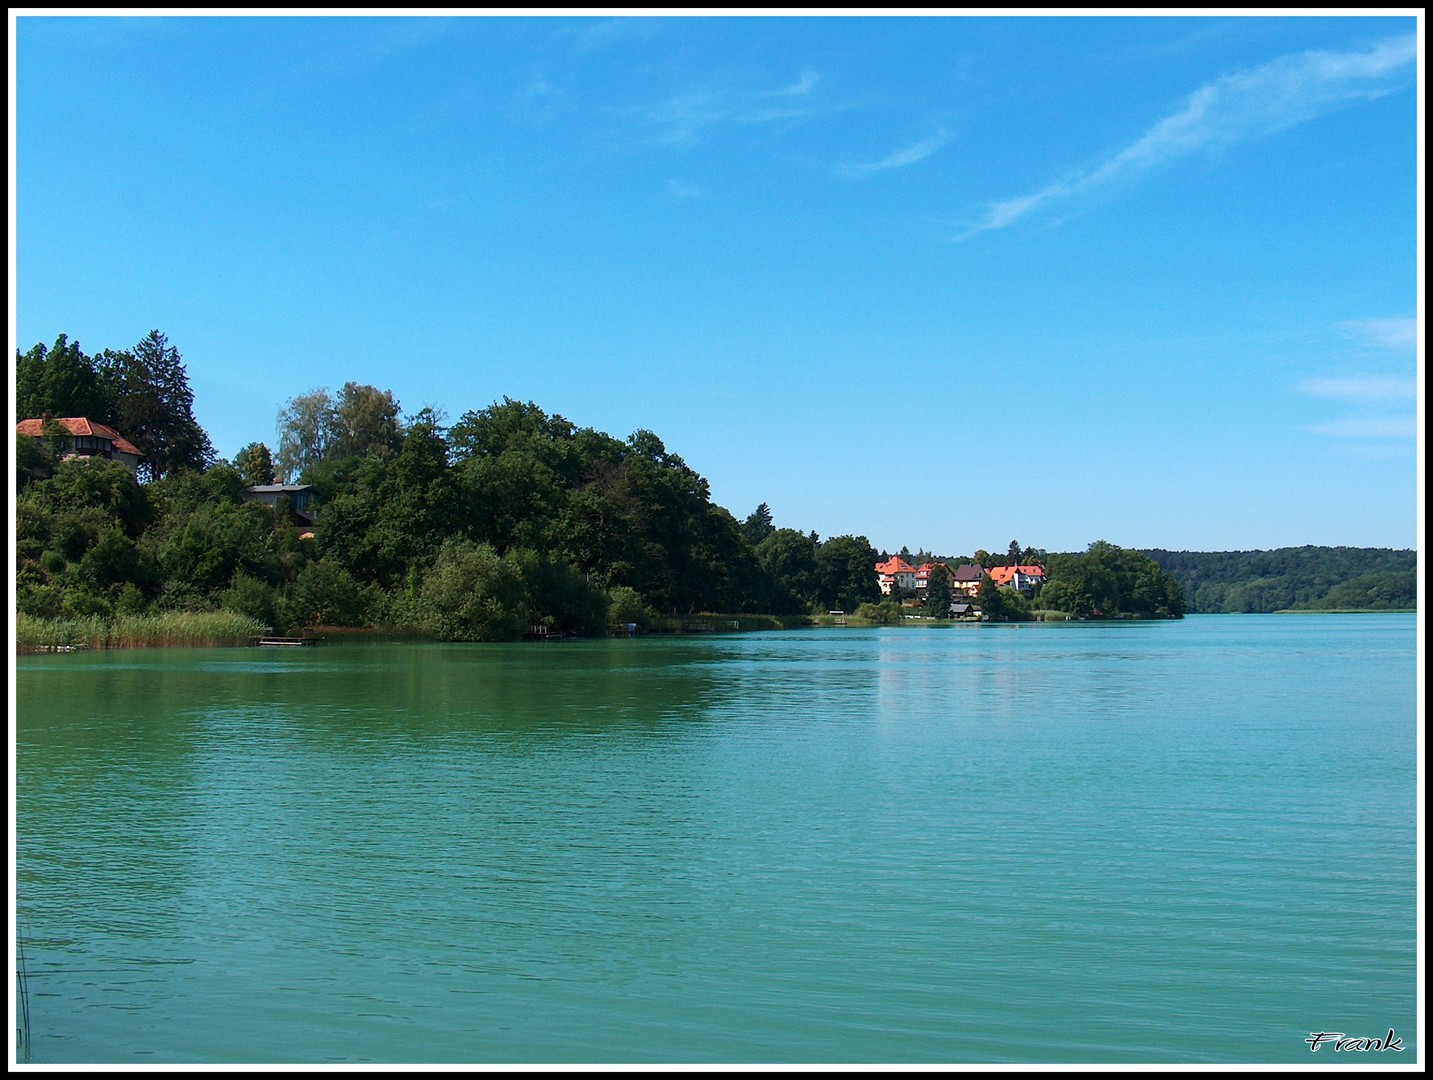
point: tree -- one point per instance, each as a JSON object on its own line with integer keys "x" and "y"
{"x": 937, "y": 592}
{"x": 1000, "y": 605}
{"x": 846, "y": 573}
{"x": 472, "y": 594}
{"x": 366, "y": 423}
{"x": 31, "y": 461}
{"x": 255, "y": 464}
{"x": 1109, "y": 581}
{"x": 757, "y": 527}
{"x": 153, "y": 406}
{"x": 325, "y": 594}
{"x": 306, "y": 432}
{"x": 789, "y": 560}
{"x": 59, "y": 381}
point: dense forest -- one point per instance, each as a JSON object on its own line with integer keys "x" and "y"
{"x": 1294, "y": 579}
{"x": 508, "y": 520}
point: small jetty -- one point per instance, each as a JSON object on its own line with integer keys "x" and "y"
{"x": 275, "y": 641}
{"x": 545, "y": 633}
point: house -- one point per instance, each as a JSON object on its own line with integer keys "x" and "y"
{"x": 1022, "y": 579}
{"x": 300, "y": 497}
{"x": 960, "y": 609}
{"x": 895, "y": 573}
{"x": 77, "y": 436}
{"x": 967, "y": 578}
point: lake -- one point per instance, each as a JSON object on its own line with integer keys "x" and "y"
{"x": 1162, "y": 842}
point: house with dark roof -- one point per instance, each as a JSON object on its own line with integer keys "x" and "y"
{"x": 300, "y": 497}
{"x": 967, "y": 578}
{"x": 78, "y": 436}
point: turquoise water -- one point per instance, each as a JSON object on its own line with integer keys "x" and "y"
{"x": 1170, "y": 842}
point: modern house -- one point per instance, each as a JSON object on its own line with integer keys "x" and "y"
{"x": 77, "y": 436}
{"x": 300, "y": 497}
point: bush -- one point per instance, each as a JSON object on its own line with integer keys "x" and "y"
{"x": 251, "y": 597}
{"x": 326, "y": 594}
{"x": 887, "y": 611}
{"x": 472, "y": 594}
{"x": 625, "y": 605}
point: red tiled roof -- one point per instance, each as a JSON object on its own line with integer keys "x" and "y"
{"x": 895, "y": 565}
{"x": 79, "y": 425}
{"x": 1003, "y": 575}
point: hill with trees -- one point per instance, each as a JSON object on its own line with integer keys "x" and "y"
{"x": 509, "y": 519}
{"x": 1294, "y": 579}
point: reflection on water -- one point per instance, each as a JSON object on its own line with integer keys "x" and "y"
{"x": 1039, "y": 843}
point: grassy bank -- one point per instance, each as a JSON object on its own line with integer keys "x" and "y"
{"x": 135, "y": 631}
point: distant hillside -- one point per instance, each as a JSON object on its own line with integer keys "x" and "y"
{"x": 1302, "y": 578}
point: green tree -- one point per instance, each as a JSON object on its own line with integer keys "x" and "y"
{"x": 307, "y": 429}
{"x": 153, "y": 406}
{"x": 473, "y": 594}
{"x": 788, "y": 558}
{"x": 255, "y": 465}
{"x": 1109, "y": 581}
{"x": 31, "y": 461}
{"x": 991, "y": 600}
{"x": 325, "y": 594}
{"x": 757, "y": 527}
{"x": 59, "y": 381}
{"x": 625, "y": 606}
{"x": 846, "y": 572}
{"x": 937, "y": 592}
{"x": 558, "y": 596}
{"x": 366, "y": 423}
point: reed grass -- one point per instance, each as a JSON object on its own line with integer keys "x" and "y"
{"x": 166, "y": 629}
{"x": 22, "y": 995}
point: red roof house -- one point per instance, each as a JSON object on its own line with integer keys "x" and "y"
{"x": 84, "y": 438}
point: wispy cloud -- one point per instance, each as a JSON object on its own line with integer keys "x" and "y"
{"x": 1244, "y": 105}
{"x": 1387, "y": 427}
{"x": 1396, "y": 334}
{"x": 1384, "y": 352}
{"x": 800, "y": 88}
{"x": 901, "y": 158}
{"x": 683, "y": 119}
{"x": 1363, "y": 388}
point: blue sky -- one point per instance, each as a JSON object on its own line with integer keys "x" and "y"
{"x": 944, "y": 282}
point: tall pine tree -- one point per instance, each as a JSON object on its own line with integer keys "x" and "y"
{"x": 153, "y": 406}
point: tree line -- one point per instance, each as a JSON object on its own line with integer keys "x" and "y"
{"x": 1306, "y": 578}
{"x": 507, "y": 519}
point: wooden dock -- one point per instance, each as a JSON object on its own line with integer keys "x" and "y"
{"x": 287, "y": 642}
